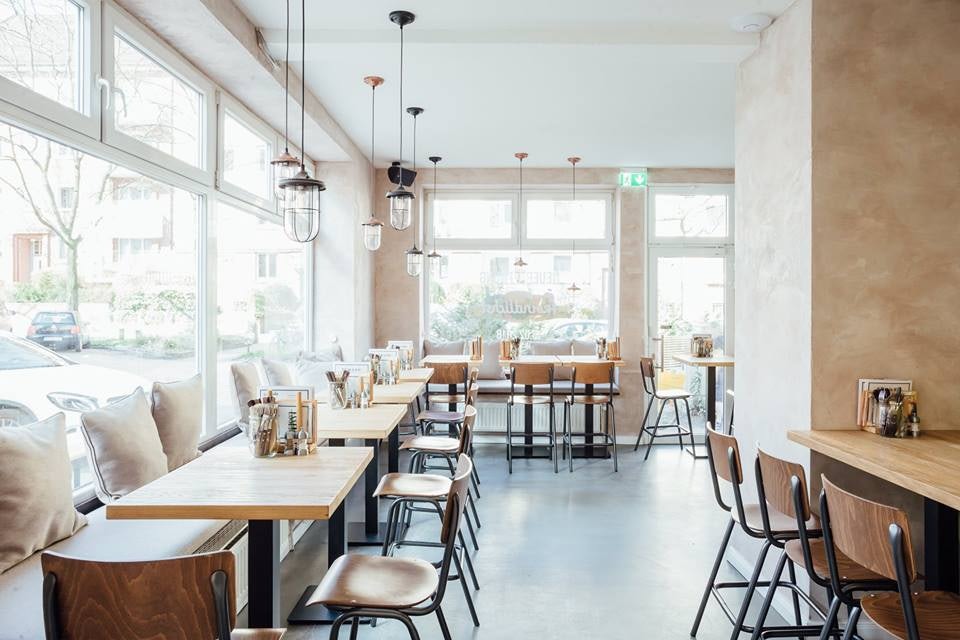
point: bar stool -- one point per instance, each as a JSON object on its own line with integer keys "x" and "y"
{"x": 649, "y": 378}
{"x": 782, "y": 492}
{"x": 878, "y": 537}
{"x": 361, "y": 586}
{"x": 453, "y": 375}
{"x": 427, "y": 419}
{"x": 529, "y": 374}
{"x": 590, "y": 374}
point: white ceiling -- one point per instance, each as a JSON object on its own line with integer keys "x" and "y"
{"x": 625, "y": 83}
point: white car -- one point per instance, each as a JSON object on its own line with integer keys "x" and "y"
{"x": 36, "y": 383}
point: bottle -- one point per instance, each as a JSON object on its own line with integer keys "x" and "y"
{"x": 290, "y": 440}
{"x": 914, "y": 423}
{"x": 302, "y": 444}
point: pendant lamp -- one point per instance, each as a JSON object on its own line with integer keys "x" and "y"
{"x": 414, "y": 254}
{"x": 573, "y": 288}
{"x": 434, "y": 257}
{"x": 373, "y": 228}
{"x": 520, "y": 263}
{"x": 401, "y": 200}
{"x": 285, "y": 165}
{"x": 301, "y": 193}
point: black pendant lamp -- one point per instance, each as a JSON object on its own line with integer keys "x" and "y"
{"x": 301, "y": 193}
{"x": 520, "y": 263}
{"x": 434, "y": 257}
{"x": 414, "y": 254}
{"x": 373, "y": 228}
{"x": 573, "y": 288}
{"x": 285, "y": 165}
{"x": 401, "y": 200}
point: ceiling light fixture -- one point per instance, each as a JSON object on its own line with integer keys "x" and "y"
{"x": 751, "y": 23}
{"x": 401, "y": 200}
{"x": 433, "y": 255}
{"x": 573, "y": 288}
{"x": 285, "y": 165}
{"x": 373, "y": 228}
{"x": 301, "y": 193}
{"x": 414, "y": 254}
{"x": 520, "y": 263}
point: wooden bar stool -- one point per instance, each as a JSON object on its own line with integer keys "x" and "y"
{"x": 184, "y": 597}
{"x": 527, "y": 375}
{"x": 877, "y": 536}
{"x": 649, "y": 378}
{"x": 588, "y": 374}
{"x": 362, "y": 586}
{"x": 454, "y": 376}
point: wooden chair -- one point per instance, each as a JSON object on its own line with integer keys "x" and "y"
{"x": 649, "y": 378}
{"x": 599, "y": 373}
{"x": 877, "y": 536}
{"x": 428, "y": 419}
{"x": 362, "y": 586}
{"x": 454, "y": 376}
{"x": 179, "y": 598}
{"x": 528, "y": 374}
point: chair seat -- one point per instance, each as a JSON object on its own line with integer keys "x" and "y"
{"x": 379, "y": 582}
{"x": 850, "y": 571}
{"x": 413, "y": 485}
{"x": 525, "y": 399}
{"x": 779, "y": 523}
{"x": 446, "y": 398}
{"x": 938, "y": 614}
{"x": 587, "y": 399}
{"x": 448, "y": 417}
{"x": 431, "y": 444}
{"x": 672, "y": 394}
{"x": 257, "y": 634}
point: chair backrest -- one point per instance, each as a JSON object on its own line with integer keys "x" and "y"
{"x": 648, "y": 375}
{"x": 474, "y": 376}
{"x": 456, "y": 501}
{"x": 449, "y": 373}
{"x": 524, "y": 373}
{"x": 177, "y": 598}
{"x": 860, "y": 529}
{"x": 466, "y": 429}
{"x": 593, "y": 373}
{"x": 472, "y": 394}
{"x": 719, "y": 445}
{"x": 774, "y": 480}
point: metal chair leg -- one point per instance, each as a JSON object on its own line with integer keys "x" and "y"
{"x": 713, "y": 578}
{"x": 466, "y": 592}
{"x": 563, "y": 429}
{"x": 643, "y": 424}
{"x": 851, "y": 623}
{"x": 768, "y": 599}
{"x": 653, "y": 436}
{"x": 796, "y": 598}
{"x": 473, "y": 508}
{"x": 553, "y": 437}
{"x": 509, "y": 439}
{"x": 443, "y": 624}
{"x": 613, "y": 422}
{"x": 676, "y": 413}
{"x": 831, "y": 621}
{"x": 569, "y": 436}
{"x": 693, "y": 444}
{"x": 473, "y": 534}
{"x": 466, "y": 556}
{"x": 751, "y": 589}
{"x": 354, "y": 628}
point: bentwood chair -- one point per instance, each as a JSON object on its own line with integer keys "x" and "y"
{"x": 590, "y": 374}
{"x": 362, "y": 586}
{"x": 528, "y": 374}
{"x": 877, "y": 536}
{"x": 782, "y": 492}
{"x": 664, "y": 397}
{"x": 176, "y": 599}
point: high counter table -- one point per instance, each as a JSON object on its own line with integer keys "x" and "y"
{"x": 928, "y": 466}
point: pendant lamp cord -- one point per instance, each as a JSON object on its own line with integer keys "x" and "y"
{"x": 413, "y": 213}
{"x": 433, "y": 221}
{"x": 286, "y": 88}
{"x": 373, "y": 135}
{"x": 400, "y": 166}
{"x": 521, "y": 210}
{"x": 303, "y": 83}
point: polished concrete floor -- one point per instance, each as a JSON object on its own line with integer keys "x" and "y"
{"x": 592, "y": 554}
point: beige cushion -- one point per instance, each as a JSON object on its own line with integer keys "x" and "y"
{"x": 490, "y": 368}
{"x": 178, "y": 412}
{"x": 553, "y": 348}
{"x": 431, "y": 348}
{"x": 278, "y": 373}
{"x": 332, "y": 353}
{"x": 125, "y": 448}
{"x": 313, "y": 373}
{"x": 36, "y": 492}
{"x": 584, "y": 347}
{"x": 246, "y": 384}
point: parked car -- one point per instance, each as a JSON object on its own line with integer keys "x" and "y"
{"x": 58, "y": 330}
{"x": 576, "y": 329}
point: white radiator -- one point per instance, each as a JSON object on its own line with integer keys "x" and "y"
{"x": 241, "y": 549}
{"x": 233, "y": 538}
{"x": 492, "y": 418}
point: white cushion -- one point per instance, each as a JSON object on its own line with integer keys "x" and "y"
{"x": 36, "y": 492}
{"x": 278, "y": 373}
{"x": 246, "y": 385}
{"x": 178, "y": 412}
{"x": 313, "y": 373}
{"x": 554, "y": 348}
{"x": 490, "y": 368}
{"x": 125, "y": 448}
{"x": 431, "y": 348}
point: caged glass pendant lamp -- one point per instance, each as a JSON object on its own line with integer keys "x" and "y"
{"x": 301, "y": 193}
{"x": 401, "y": 200}
{"x": 573, "y": 288}
{"x": 433, "y": 258}
{"x": 414, "y": 254}
{"x": 373, "y": 228}
{"x": 285, "y": 165}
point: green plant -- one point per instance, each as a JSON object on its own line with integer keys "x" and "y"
{"x": 46, "y": 287}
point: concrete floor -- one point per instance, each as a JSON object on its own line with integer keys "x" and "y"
{"x": 592, "y": 554}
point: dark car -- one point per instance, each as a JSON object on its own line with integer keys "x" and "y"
{"x": 58, "y": 330}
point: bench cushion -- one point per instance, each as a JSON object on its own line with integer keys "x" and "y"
{"x": 178, "y": 411}
{"x": 21, "y": 604}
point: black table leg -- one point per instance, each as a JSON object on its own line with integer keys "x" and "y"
{"x": 452, "y": 390}
{"x": 393, "y": 451}
{"x": 263, "y": 574}
{"x": 371, "y": 531}
{"x": 711, "y": 397}
{"x": 941, "y": 548}
{"x": 528, "y": 423}
{"x": 589, "y": 451}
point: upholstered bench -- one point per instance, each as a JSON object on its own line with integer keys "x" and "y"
{"x": 21, "y": 609}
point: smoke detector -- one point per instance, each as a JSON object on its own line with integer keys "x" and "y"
{"x": 751, "y": 23}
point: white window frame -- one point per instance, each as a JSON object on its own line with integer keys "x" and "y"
{"x": 564, "y": 194}
{"x": 22, "y": 103}
{"x": 116, "y": 20}
{"x": 430, "y": 196}
{"x": 688, "y": 189}
{"x": 228, "y": 104}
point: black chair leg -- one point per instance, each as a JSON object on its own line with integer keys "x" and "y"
{"x": 796, "y": 598}
{"x": 751, "y": 589}
{"x": 712, "y": 579}
{"x": 613, "y": 422}
{"x": 466, "y": 591}
{"x": 851, "y": 623}
{"x": 830, "y": 624}
{"x": 643, "y": 424}
{"x": 444, "y": 629}
{"x": 768, "y": 599}
{"x": 693, "y": 444}
{"x": 653, "y": 436}
{"x": 676, "y": 414}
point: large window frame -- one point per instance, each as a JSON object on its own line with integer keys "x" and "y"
{"x": 228, "y": 105}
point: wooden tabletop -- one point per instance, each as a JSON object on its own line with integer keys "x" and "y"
{"x": 464, "y": 359}
{"x": 712, "y": 361}
{"x": 373, "y": 423}
{"x": 928, "y": 465}
{"x": 560, "y": 360}
{"x": 575, "y": 360}
{"x": 422, "y": 374}
{"x": 228, "y": 483}
{"x": 401, "y": 393}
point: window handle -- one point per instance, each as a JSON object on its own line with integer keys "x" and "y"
{"x": 104, "y": 86}
{"x": 123, "y": 99}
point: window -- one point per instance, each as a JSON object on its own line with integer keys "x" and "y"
{"x": 255, "y": 319}
{"x": 126, "y": 322}
{"x": 691, "y": 213}
{"x": 67, "y": 197}
{"x": 246, "y": 157}
{"x": 477, "y": 290}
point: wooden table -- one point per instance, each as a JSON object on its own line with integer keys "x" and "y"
{"x": 404, "y": 392}
{"x": 928, "y": 466}
{"x": 229, "y": 483}
{"x": 373, "y": 425}
{"x": 464, "y": 359}
{"x": 711, "y": 364}
{"x": 422, "y": 374}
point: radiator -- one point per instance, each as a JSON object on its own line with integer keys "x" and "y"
{"x": 233, "y": 538}
{"x": 492, "y": 418}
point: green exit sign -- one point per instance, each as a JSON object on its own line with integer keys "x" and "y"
{"x": 633, "y": 178}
